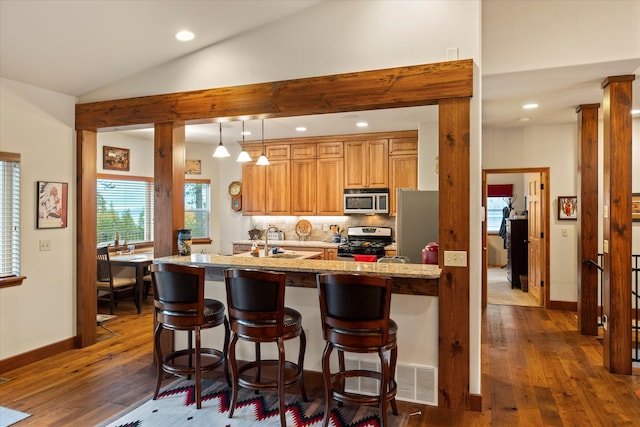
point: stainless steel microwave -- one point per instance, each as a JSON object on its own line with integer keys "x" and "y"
{"x": 367, "y": 201}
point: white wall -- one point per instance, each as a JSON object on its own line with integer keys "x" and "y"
{"x": 38, "y": 124}
{"x": 555, "y": 147}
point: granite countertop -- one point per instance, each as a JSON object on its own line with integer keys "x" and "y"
{"x": 394, "y": 270}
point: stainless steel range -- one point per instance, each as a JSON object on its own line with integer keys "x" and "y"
{"x": 365, "y": 241}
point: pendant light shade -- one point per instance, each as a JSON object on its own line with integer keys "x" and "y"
{"x": 221, "y": 150}
{"x": 243, "y": 156}
{"x": 262, "y": 160}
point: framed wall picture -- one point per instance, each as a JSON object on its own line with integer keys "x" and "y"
{"x": 115, "y": 158}
{"x": 635, "y": 207}
{"x": 568, "y": 208}
{"x": 52, "y": 204}
{"x": 193, "y": 167}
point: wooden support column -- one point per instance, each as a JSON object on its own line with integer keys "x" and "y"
{"x": 588, "y": 219}
{"x": 168, "y": 169}
{"x": 86, "y": 237}
{"x": 168, "y": 181}
{"x": 616, "y": 288}
{"x": 453, "y": 296}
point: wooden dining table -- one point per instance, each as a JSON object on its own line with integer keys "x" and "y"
{"x": 139, "y": 261}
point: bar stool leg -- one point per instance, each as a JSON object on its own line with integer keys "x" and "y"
{"x": 225, "y": 352}
{"x": 326, "y": 374}
{"x": 159, "y": 361}
{"x": 301, "y": 352}
{"x": 392, "y": 375}
{"x": 198, "y": 371}
{"x": 384, "y": 385}
{"x": 235, "y": 383}
{"x": 281, "y": 369}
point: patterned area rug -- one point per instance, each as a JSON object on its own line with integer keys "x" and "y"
{"x": 176, "y": 406}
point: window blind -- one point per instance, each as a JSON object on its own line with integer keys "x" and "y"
{"x": 9, "y": 214}
{"x": 125, "y": 206}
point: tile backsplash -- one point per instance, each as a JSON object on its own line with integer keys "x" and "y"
{"x": 319, "y": 225}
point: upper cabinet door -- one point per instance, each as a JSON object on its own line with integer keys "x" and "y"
{"x": 253, "y": 185}
{"x": 366, "y": 164}
{"x": 303, "y": 187}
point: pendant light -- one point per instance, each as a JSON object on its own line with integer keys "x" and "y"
{"x": 221, "y": 151}
{"x": 262, "y": 160}
{"x": 243, "y": 156}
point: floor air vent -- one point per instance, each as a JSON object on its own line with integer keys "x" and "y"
{"x": 416, "y": 383}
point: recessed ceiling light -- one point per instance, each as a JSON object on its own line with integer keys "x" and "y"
{"x": 530, "y": 106}
{"x": 185, "y": 36}
{"x": 524, "y": 119}
{"x": 301, "y": 129}
{"x": 635, "y": 112}
{"x": 362, "y": 124}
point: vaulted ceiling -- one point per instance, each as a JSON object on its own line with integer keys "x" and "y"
{"x": 75, "y": 47}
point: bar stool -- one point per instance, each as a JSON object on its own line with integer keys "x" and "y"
{"x": 354, "y": 310}
{"x": 180, "y": 305}
{"x": 255, "y": 301}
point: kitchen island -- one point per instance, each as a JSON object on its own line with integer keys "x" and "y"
{"x": 411, "y": 279}
{"x": 414, "y": 308}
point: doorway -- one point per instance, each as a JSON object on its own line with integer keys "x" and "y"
{"x": 506, "y": 264}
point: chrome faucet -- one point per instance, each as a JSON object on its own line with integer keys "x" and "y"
{"x": 266, "y": 238}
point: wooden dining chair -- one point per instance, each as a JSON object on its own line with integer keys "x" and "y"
{"x": 108, "y": 286}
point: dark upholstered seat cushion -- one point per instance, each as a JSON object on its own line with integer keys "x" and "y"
{"x": 213, "y": 309}
{"x": 291, "y": 317}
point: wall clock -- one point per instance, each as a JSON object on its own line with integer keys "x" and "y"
{"x": 235, "y": 190}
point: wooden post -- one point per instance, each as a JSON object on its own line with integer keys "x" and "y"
{"x": 169, "y": 164}
{"x": 86, "y": 237}
{"x": 453, "y": 292}
{"x": 616, "y": 285}
{"x": 588, "y": 218}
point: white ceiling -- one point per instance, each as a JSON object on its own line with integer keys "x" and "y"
{"x": 39, "y": 39}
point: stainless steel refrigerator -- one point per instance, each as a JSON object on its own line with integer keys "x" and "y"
{"x": 416, "y": 222}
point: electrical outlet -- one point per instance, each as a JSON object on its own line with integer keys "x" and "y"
{"x": 455, "y": 258}
{"x": 45, "y": 245}
{"x": 325, "y": 227}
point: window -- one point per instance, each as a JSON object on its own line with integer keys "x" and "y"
{"x": 9, "y": 214}
{"x": 495, "y": 206}
{"x": 197, "y": 208}
{"x": 125, "y": 206}
{"x": 498, "y": 198}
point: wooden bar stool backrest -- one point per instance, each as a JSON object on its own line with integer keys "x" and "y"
{"x": 255, "y": 301}
{"x": 178, "y": 295}
{"x": 351, "y": 304}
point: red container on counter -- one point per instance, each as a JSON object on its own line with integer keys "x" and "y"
{"x": 430, "y": 253}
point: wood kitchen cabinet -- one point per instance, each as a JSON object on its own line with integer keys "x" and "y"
{"x": 278, "y": 180}
{"x": 403, "y": 168}
{"x": 366, "y": 164}
{"x": 253, "y": 185}
{"x": 303, "y": 179}
{"x": 330, "y": 179}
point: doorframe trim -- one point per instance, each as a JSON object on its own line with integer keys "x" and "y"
{"x": 545, "y": 173}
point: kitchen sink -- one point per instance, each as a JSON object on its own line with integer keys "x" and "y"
{"x": 290, "y": 256}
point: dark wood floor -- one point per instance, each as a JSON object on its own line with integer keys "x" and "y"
{"x": 536, "y": 370}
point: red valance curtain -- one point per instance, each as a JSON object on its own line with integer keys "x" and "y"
{"x": 500, "y": 190}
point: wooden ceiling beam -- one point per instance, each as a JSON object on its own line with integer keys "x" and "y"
{"x": 368, "y": 90}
